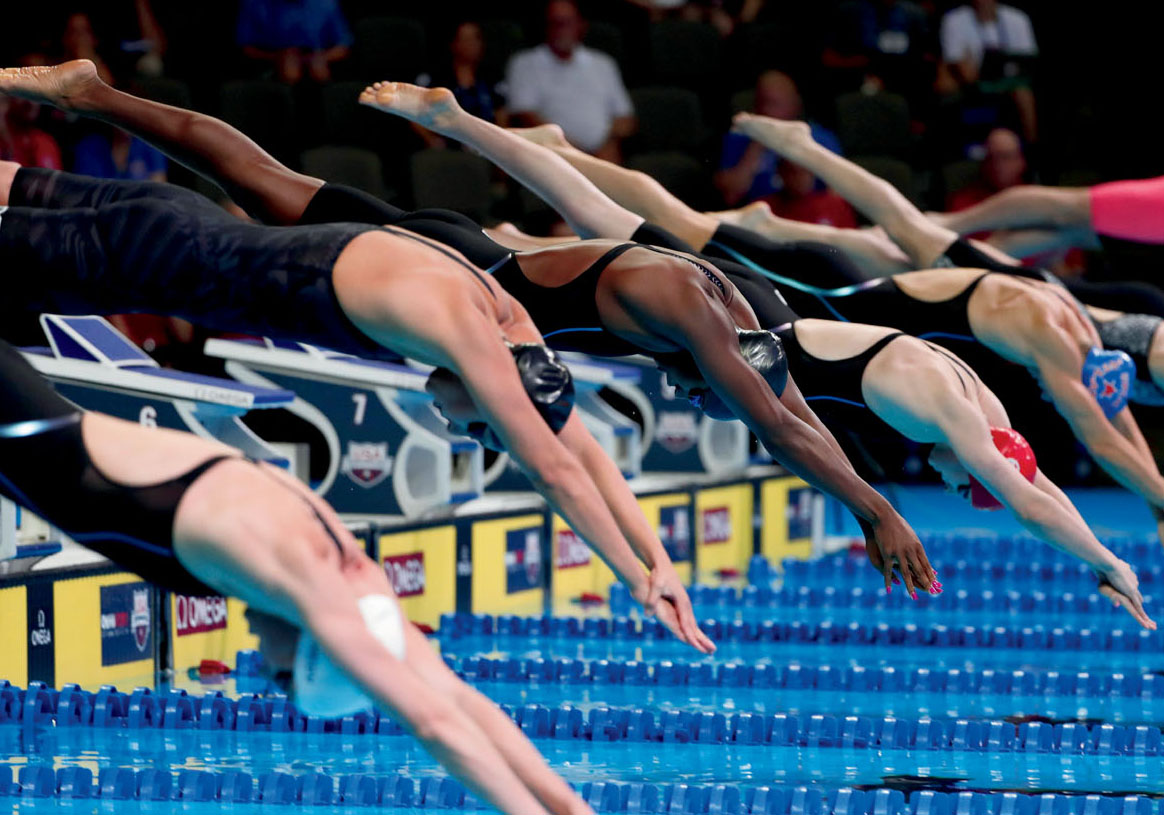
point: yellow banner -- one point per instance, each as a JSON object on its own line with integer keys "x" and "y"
{"x": 786, "y": 504}
{"x": 106, "y": 631}
{"x": 723, "y": 531}
{"x": 207, "y": 628}
{"x": 422, "y": 567}
{"x": 14, "y": 635}
{"x": 508, "y": 574}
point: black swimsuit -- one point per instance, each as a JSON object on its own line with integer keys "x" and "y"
{"x": 45, "y": 466}
{"x": 833, "y": 386}
{"x": 567, "y": 315}
{"x": 75, "y": 245}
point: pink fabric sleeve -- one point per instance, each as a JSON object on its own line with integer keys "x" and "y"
{"x": 1131, "y": 210}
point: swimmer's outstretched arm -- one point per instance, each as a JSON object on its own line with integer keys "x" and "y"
{"x": 922, "y": 239}
{"x": 687, "y": 317}
{"x": 254, "y": 532}
{"x": 665, "y": 594}
{"x": 662, "y": 592}
{"x": 255, "y": 180}
{"x": 584, "y": 207}
{"x": 1040, "y": 507}
{"x": 447, "y": 328}
{"x": 1117, "y": 444}
{"x": 468, "y": 735}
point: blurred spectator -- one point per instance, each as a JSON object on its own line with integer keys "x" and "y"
{"x": 987, "y": 51}
{"x": 1003, "y": 166}
{"x": 122, "y": 37}
{"x": 725, "y": 17}
{"x": 748, "y": 171}
{"x": 297, "y": 38}
{"x": 109, "y": 152}
{"x": 801, "y": 198}
{"x": 79, "y": 41}
{"x": 564, "y": 82}
{"x": 21, "y": 140}
{"x": 475, "y": 93}
{"x": 882, "y": 45}
{"x": 116, "y": 154}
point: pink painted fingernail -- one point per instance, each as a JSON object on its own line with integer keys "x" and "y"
{"x": 913, "y": 594}
{"x": 889, "y": 589}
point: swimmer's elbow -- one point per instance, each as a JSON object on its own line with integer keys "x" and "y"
{"x": 1033, "y": 508}
{"x": 437, "y": 723}
{"x": 552, "y": 472}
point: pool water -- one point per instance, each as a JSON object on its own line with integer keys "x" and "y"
{"x": 826, "y": 697}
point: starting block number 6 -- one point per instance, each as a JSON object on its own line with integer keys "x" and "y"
{"x": 148, "y": 417}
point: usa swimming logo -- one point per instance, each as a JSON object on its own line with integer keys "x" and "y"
{"x": 127, "y": 631}
{"x": 367, "y": 463}
{"x": 523, "y": 559}
{"x": 675, "y": 532}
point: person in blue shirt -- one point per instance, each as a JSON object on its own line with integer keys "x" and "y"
{"x": 116, "y": 154}
{"x": 300, "y": 38}
{"x": 748, "y": 170}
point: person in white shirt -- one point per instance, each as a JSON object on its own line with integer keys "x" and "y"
{"x": 985, "y": 45}
{"x": 575, "y": 87}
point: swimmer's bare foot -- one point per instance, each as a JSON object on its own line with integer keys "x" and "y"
{"x": 66, "y": 86}
{"x": 547, "y": 135}
{"x": 775, "y": 134}
{"x": 434, "y": 108}
{"x": 752, "y": 216}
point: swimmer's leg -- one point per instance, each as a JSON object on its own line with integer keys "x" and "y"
{"x": 588, "y": 212}
{"x": 922, "y": 239}
{"x": 632, "y": 189}
{"x": 1025, "y": 207}
{"x": 208, "y": 146}
{"x": 870, "y": 249}
{"x": 53, "y": 189}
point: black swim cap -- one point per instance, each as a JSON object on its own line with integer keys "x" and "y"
{"x": 548, "y": 383}
{"x": 764, "y": 352}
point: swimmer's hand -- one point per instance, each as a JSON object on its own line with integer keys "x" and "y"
{"x": 1119, "y": 584}
{"x": 892, "y": 545}
{"x": 665, "y": 597}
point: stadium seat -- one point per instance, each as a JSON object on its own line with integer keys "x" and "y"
{"x": 503, "y": 38}
{"x": 609, "y": 39}
{"x": 264, "y": 110}
{"x": 390, "y": 48}
{"x": 893, "y": 170}
{"x": 743, "y": 100}
{"x": 957, "y": 175}
{"x": 684, "y": 53}
{"x": 669, "y": 119}
{"x": 353, "y": 166}
{"x": 346, "y": 121}
{"x": 683, "y": 176}
{"x": 453, "y": 180}
{"x": 873, "y": 124}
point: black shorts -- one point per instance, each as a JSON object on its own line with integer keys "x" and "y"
{"x": 74, "y": 245}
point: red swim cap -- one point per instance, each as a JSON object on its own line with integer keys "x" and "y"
{"x": 1020, "y": 455}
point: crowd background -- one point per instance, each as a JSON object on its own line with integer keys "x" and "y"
{"x": 951, "y": 101}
